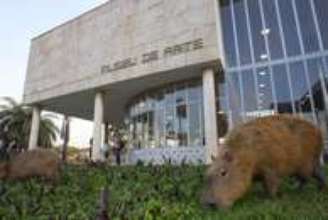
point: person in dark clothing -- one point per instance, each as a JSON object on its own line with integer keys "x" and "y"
{"x": 90, "y": 148}
{"x": 117, "y": 148}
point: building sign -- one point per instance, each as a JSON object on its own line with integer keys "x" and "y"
{"x": 154, "y": 55}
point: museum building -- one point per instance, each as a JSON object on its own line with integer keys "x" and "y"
{"x": 180, "y": 74}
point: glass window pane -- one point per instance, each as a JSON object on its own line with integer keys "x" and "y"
{"x": 326, "y": 68}
{"x": 160, "y": 101}
{"x": 160, "y": 127}
{"x": 145, "y": 130}
{"x": 300, "y": 88}
{"x": 256, "y": 29}
{"x": 222, "y": 106}
{"x": 134, "y": 134}
{"x": 249, "y": 92}
{"x": 181, "y": 95}
{"x": 264, "y": 90}
{"x": 228, "y": 34}
{"x": 151, "y": 137}
{"x": 195, "y": 130}
{"x": 272, "y": 28}
{"x": 284, "y": 98}
{"x": 242, "y": 32}
{"x": 170, "y": 135}
{"x": 289, "y": 28}
{"x": 182, "y": 125}
{"x": 194, "y": 92}
{"x": 322, "y": 9}
{"x": 234, "y": 97}
{"x": 316, "y": 75}
{"x": 139, "y": 132}
{"x": 202, "y": 126}
{"x": 169, "y": 96}
{"x": 309, "y": 34}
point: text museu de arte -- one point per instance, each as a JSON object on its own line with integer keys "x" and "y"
{"x": 154, "y": 55}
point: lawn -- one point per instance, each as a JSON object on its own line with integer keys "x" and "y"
{"x": 149, "y": 192}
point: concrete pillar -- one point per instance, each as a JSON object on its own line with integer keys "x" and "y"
{"x": 35, "y": 126}
{"x": 210, "y": 121}
{"x": 97, "y": 155}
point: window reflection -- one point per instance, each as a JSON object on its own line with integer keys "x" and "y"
{"x": 260, "y": 52}
{"x": 289, "y": 27}
{"x": 316, "y": 70}
{"x": 222, "y": 106}
{"x": 249, "y": 92}
{"x": 242, "y": 32}
{"x": 182, "y": 125}
{"x": 282, "y": 88}
{"x": 321, "y": 7}
{"x": 290, "y": 71}
{"x": 169, "y": 117}
{"x": 300, "y": 89}
{"x": 264, "y": 86}
{"x": 273, "y": 35}
{"x": 228, "y": 34}
{"x": 309, "y": 34}
{"x": 234, "y": 93}
{"x": 195, "y": 125}
{"x": 171, "y": 139}
{"x": 326, "y": 68}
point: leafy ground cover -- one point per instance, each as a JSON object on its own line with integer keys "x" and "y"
{"x": 149, "y": 192}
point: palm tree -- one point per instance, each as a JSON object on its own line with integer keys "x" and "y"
{"x": 15, "y": 124}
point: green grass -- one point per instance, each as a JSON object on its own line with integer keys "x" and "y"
{"x": 149, "y": 193}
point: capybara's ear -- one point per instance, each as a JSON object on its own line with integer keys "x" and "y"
{"x": 227, "y": 156}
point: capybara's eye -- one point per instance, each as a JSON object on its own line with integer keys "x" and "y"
{"x": 223, "y": 172}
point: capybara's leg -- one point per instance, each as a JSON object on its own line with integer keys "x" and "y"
{"x": 302, "y": 180}
{"x": 272, "y": 183}
{"x": 319, "y": 175}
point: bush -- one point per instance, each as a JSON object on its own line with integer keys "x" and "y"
{"x": 148, "y": 192}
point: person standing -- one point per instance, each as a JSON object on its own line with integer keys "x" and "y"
{"x": 90, "y": 148}
{"x": 118, "y": 146}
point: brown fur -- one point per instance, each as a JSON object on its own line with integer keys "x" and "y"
{"x": 35, "y": 163}
{"x": 267, "y": 148}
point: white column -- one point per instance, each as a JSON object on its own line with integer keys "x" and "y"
{"x": 97, "y": 155}
{"x": 210, "y": 121}
{"x": 35, "y": 126}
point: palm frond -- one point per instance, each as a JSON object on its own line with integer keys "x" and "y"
{"x": 15, "y": 124}
{"x": 11, "y": 102}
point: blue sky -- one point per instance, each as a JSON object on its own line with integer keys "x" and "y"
{"x": 19, "y": 22}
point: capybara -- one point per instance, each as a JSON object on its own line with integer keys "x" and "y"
{"x": 35, "y": 163}
{"x": 265, "y": 149}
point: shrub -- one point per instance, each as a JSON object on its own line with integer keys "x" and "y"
{"x": 148, "y": 192}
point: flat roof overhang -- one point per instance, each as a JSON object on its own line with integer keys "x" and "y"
{"x": 119, "y": 94}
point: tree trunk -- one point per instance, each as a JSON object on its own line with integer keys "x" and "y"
{"x": 65, "y": 137}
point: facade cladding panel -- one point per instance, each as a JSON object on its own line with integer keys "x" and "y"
{"x": 276, "y": 58}
{"x": 118, "y": 41}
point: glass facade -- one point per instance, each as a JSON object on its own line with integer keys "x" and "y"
{"x": 275, "y": 58}
{"x": 168, "y": 117}
{"x": 276, "y": 61}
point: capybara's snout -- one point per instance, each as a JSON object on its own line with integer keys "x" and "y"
{"x": 208, "y": 201}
